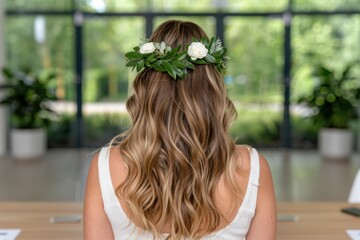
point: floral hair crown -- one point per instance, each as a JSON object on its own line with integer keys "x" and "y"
{"x": 176, "y": 63}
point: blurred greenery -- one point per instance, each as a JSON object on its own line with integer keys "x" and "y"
{"x": 54, "y": 53}
{"x": 28, "y": 93}
{"x": 254, "y": 127}
{"x": 255, "y": 65}
{"x": 329, "y": 5}
{"x": 334, "y": 96}
{"x": 39, "y": 4}
{"x": 255, "y": 45}
{"x": 329, "y": 40}
{"x": 101, "y": 128}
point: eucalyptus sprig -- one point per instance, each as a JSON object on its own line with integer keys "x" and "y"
{"x": 175, "y": 62}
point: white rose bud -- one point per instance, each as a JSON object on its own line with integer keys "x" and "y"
{"x": 147, "y": 48}
{"x": 197, "y": 50}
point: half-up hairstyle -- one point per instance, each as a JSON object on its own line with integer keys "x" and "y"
{"x": 178, "y": 146}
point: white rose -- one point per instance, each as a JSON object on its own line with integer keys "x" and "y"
{"x": 197, "y": 50}
{"x": 147, "y": 48}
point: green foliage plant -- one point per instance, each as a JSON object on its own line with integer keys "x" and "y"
{"x": 334, "y": 97}
{"x": 163, "y": 58}
{"x": 28, "y": 95}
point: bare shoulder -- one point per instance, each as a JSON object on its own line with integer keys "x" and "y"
{"x": 95, "y": 222}
{"x": 265, "y": 207}
{"x": 118, "y": 170}
{"x": 92, "y": 183}
{"x": 115, "y": 154}
{"x": 116, "y": 167}
{"x": 115, "y": 159}
{"x": 243, "y": 153}
{"x": 92, "y": 175}
{"x": 243, "y": 156}
{"x": 265, "y": 172}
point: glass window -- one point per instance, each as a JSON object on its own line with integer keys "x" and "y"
{"x": 256, "y": 6}
{"x": 255, "y": 77}
{"x": 255, "y": 70}
{"x": 112, "y": 5}
{"x": 329, "y": 5}
{"x": 106, "y": 79}
{"x": 46, "y": 44}
{"x": 332, "y": 41}
{"x": 217, "y": 5}
{"x": 39, "y": 5}
{"x": 181, "y": 5}
{"x": 149, "y": 5}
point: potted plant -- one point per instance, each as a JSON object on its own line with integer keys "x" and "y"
{"x": 333, "y": 100}
{"x": 27, "y": 94}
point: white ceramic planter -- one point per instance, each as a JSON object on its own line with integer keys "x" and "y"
{"x": 335, "y": 144}
{"x": 27, "y": 144}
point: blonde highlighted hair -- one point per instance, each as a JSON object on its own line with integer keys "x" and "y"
{"x": 178, "y": 146}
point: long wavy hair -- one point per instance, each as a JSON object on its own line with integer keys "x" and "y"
{"x": 178, "y": 146}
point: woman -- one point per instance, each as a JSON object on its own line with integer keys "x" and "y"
{"x": 176, "y": 173}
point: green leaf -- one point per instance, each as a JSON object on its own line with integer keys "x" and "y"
{"x": 151, "y": 58}
{"x": 204, "y": 41}
{"x": 212, "y": 45}
{"x": 181, "y": 72}
{"x": 210, "y": 58}
{"x": 182, "y": 56}
{"x": 133, "y": 55}
{"x": 182, "y": 75}
{"x": 172, "y": 53}
{"x": 199, "y": 61}
{"x": 170, "y": 69}
{"x": 178, "y": 64}
{"x": 189, "y": 65}
{"x": 219, "y": 53}
{"x": 140, "y": 65}
{"x": 132, "y": 63}
{"x": 158, "y": 68}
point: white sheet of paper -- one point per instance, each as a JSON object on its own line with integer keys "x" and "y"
{"x": 354, "y": 234}
{"x": 9, "y": 234}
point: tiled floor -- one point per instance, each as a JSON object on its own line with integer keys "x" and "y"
{"x": 60, "y": 176}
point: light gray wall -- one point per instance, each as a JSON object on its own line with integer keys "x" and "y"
{"x": 3, "y": 112}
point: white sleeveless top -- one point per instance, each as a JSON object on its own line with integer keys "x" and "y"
{"x": 124, "y": 229}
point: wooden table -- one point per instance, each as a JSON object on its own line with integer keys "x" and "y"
{"x": 33, "y": 218}
{"x": 317, "y": 220}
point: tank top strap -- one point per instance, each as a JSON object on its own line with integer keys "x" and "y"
{"x": 250, "y": 199}
{"x": 255, "y": 167}
{"x": 107, "y": 190}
